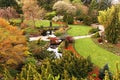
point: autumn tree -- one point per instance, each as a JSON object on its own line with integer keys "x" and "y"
{"x": 13, "y": 45}
{"x": 8, "y": 13}
{"x": 32, "y": 11}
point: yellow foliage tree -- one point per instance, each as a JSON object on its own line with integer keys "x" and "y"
{"x": 105, "y": 17}
{"x": 13, "y": 44}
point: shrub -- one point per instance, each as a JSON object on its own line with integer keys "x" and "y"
{"x": 96, "y": 35}
{"x": 69, "y": 39}
{"x": 58, "y": 33}
{"x": 50, "y": 15}
{"x": 60, "y": 47}
{"x": 102, "y": 72}
{"x": 94, "y": 30}
{"x": 45, "y": 54}
{"x": 31, "y": 31}
{"x": 70, "y": 19}
{"x": 36, "y": 47}
{"x": 100, "y": 40}
{"x": 87, "y": 20}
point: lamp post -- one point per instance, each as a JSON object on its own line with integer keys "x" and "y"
{"x": 50, "y": 27}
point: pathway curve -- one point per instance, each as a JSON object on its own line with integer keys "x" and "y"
{"x": 79, "y": 37}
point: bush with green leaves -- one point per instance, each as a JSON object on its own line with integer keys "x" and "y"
{"x": 36, "y": 47}
{"x": 102, "y": 72}
{"x": 94, "y": 30}
{"x": 32, "y": 31}
{"x": 61, "y": 47}
{"x": 96, "y": 35}
{"x": 50, "y": 15}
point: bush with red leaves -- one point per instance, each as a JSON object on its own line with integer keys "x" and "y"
{"x": 54, "y": 41}
{"x": 69, "y": 39}
{"x": 100, "y": 40}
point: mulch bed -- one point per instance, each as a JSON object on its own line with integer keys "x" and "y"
{"x": 118, "y": 45}
{"x": 95, "y": 69}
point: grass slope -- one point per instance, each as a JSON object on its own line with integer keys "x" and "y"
{"x": 78, "y": 30}
{"x": 100, "y": 56}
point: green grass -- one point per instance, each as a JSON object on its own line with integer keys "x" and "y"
{"x": 17, "y": 20}
{"x": 39, "y": 23}
{"x": 78, "y": 30}
{"x": 99, "y": 56}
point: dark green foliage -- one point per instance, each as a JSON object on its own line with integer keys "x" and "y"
{"x": 50, "y": 15}
{"x": 30, "y": 60}
{"x": 13, "y": 72}
{"x": 102, "y": 72}
{"x": 45, "y": 54}
{"x": 104, "y": 4}
{"x": 65, "y": 68}
{"x": 93, "y": 5}
{"x": 70, "y": 20}
{"x": 96, "y": 35}
{"x": 113, "y": 31}
{"x": 94, "y": 30}
{"x": 86, "y": 2}
{"x": 61, "y": 47}
{"x": 32, "y": 31}
{"x": 58, "y": 33}
{"x": 36, "y": 47}
{"x": 4, "y": 3}
{"x": 77, "y": 67}
{"x": 10, "y": 3}
{"x": 47, "y": 4}
{"x": 87, "y": 20}
{"x": 66, "y": 43}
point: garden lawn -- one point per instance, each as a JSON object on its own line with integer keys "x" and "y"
{"x": 86, "y": 47}
{"x": 39, "y": 23}
{"x": 78, "y": 30}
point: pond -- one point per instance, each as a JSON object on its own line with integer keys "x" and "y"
{"x": 53, "y": 48}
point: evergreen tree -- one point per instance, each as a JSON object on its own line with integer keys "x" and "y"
{"x": 7, "y": 75}
{"x": 102, "y": 72}
{"x": 113, "y": 30}
{"x": 29, "y": 72}
{"x": 10, "y": 3}
{"x": 106, "y": 76}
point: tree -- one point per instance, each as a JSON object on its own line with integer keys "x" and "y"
{"x": 32, "y": 12}
{"x": 46, "y": 4}
{"x": 103, "y": 71}
{"x": 113, "y": 30}
{"x": 110, "y": 19}
{"x": 66, "y": 9}
{"x": 105, "y": 17}
{"x": 104, "y": 4}
{"x": 8, "y": 13}
{"x": 13, "y": 45}
{"x": 29, "y": 72}
{"x": 10, "y": 3}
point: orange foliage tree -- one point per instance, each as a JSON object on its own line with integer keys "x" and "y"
{"x": 13, "y": 45}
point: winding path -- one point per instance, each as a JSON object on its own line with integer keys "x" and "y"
{"x": 86, "y": 36}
